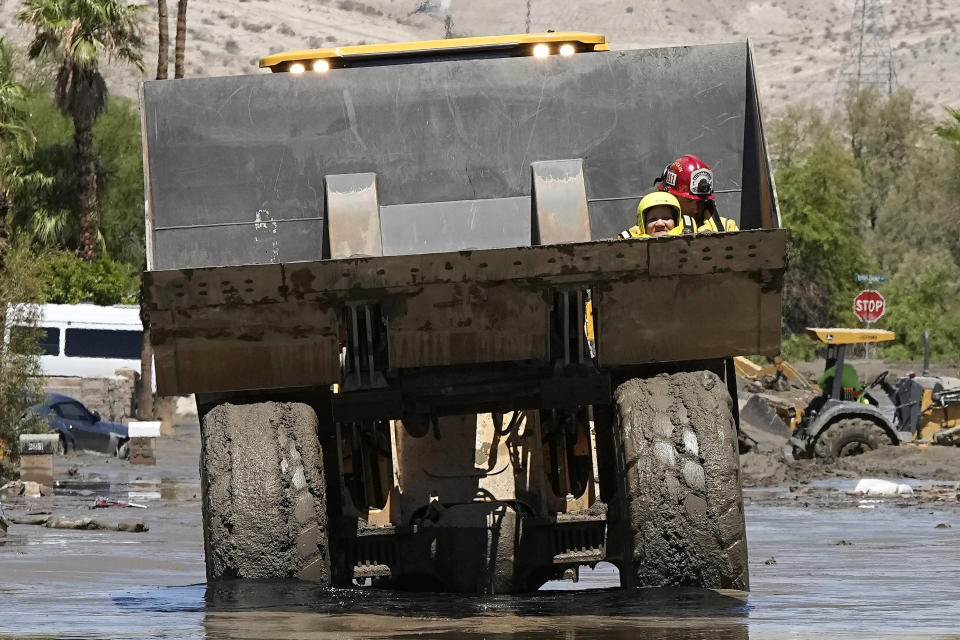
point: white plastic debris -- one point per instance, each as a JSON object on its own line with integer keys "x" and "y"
{"x": 882, "y": 488}
{"x": 143, "y": 428}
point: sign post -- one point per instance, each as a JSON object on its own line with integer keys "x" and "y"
{"x": 869, "y": 306}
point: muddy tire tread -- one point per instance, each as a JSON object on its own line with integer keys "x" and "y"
{"x": 681, "y": 491}
{"x": 841, "y": 432}
{"x": 263, "y": 493}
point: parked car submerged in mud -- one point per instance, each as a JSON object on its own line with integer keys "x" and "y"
{"x": 80, "y": 428}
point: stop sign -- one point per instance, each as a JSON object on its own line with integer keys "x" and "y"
{"x": 869, "y": 305}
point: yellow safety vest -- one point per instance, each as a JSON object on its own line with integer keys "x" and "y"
{"x": 710, "y": 225}
{"x": 686, "y": 226}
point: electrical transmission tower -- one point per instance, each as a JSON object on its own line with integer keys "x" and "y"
{"x": 868, "y": 59}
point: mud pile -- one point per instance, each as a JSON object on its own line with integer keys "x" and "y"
{"x": 768, "y": 466}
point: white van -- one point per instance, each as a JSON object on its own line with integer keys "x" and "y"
{"x": 89, "y": 341}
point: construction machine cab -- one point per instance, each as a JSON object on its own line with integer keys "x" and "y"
{"x": 847, "y": 386}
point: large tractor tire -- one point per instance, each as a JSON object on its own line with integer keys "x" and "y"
{"x": 681, "y": 505}
{"x": 849, "y": 437}
{"x": 264, "y": 508}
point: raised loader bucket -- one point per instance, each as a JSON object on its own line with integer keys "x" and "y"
{"x": 314, "y": 229}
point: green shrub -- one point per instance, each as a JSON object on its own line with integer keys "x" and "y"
{"x": 21, "y": 278}
{"x": 799, "y": 348}
{"x": 924, "y": 294}
{"x": 70, "y": 280}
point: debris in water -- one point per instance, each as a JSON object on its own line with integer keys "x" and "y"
{"x": 882, "y": 488}
{"x": 52, "y": 522}
{"x": 103, "y": 503}
{"x": 25, "y": 488}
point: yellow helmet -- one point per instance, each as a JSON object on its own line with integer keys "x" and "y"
{"x": 660, "y": 198}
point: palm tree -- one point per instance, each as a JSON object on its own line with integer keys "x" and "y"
{"x": 164, "y": 34}
{"x": 181, "y": 42}
{"x": 16, "y": 140}
{"x": 78, "y": 33}
{"x": 15, "y": 136}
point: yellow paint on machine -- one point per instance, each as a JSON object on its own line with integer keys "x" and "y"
{"x": 936, "y": 417}
{"x": 850, "y": 336}
{"x": 747, "y": 369}
{"x": 280, "y": 62}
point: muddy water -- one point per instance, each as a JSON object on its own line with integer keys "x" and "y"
{"x": 834, "y": 572}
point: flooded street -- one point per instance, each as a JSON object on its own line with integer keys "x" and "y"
{"x": 837, "y": 569}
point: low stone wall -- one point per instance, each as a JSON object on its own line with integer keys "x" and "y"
{"x": 113, "y": 397}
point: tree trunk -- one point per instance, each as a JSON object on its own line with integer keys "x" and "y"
{"x": 181, "y": 38}
{"x": 164, "y": 34}
{"x": 89, "y": 247}
{"x": 6, "y": 234}
{"x": 145, "y": 390}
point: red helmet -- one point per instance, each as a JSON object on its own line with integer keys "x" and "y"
{"x": 687, "y": 177}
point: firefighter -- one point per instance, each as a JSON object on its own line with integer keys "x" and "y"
{"x": 658, "y": 214}
{"x": 691, "y": 181}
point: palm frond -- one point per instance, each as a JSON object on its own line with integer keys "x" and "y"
{"x": 48, "y": 226}
{"x": 81, "y": 31}
{"x": 949, "y": 130}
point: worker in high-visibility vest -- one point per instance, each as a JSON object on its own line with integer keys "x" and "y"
{"x": 658, "y": 214}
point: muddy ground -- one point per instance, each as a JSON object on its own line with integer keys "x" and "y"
{"x": 823, "y": 563}
{"x": 769, "y": 464}
{"x": 913, "y": 462}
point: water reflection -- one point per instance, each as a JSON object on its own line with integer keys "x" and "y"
{"x": 251, "y": 609}
{"x": 271, "y": 609}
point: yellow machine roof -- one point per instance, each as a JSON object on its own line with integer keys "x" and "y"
{"x": 850, "y": 336}
{"x": 595, "y": 42}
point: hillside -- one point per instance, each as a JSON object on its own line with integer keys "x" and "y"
{"x": 799, "y": 45}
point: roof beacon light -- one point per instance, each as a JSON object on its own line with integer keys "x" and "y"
{"x": 297, "y": 67}
{"x": 541, "y": 45}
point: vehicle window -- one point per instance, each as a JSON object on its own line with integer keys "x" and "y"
{"x": 71, "y": 411}
{"x": 103, "y": 343}
{"x": 48, "y": 339}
